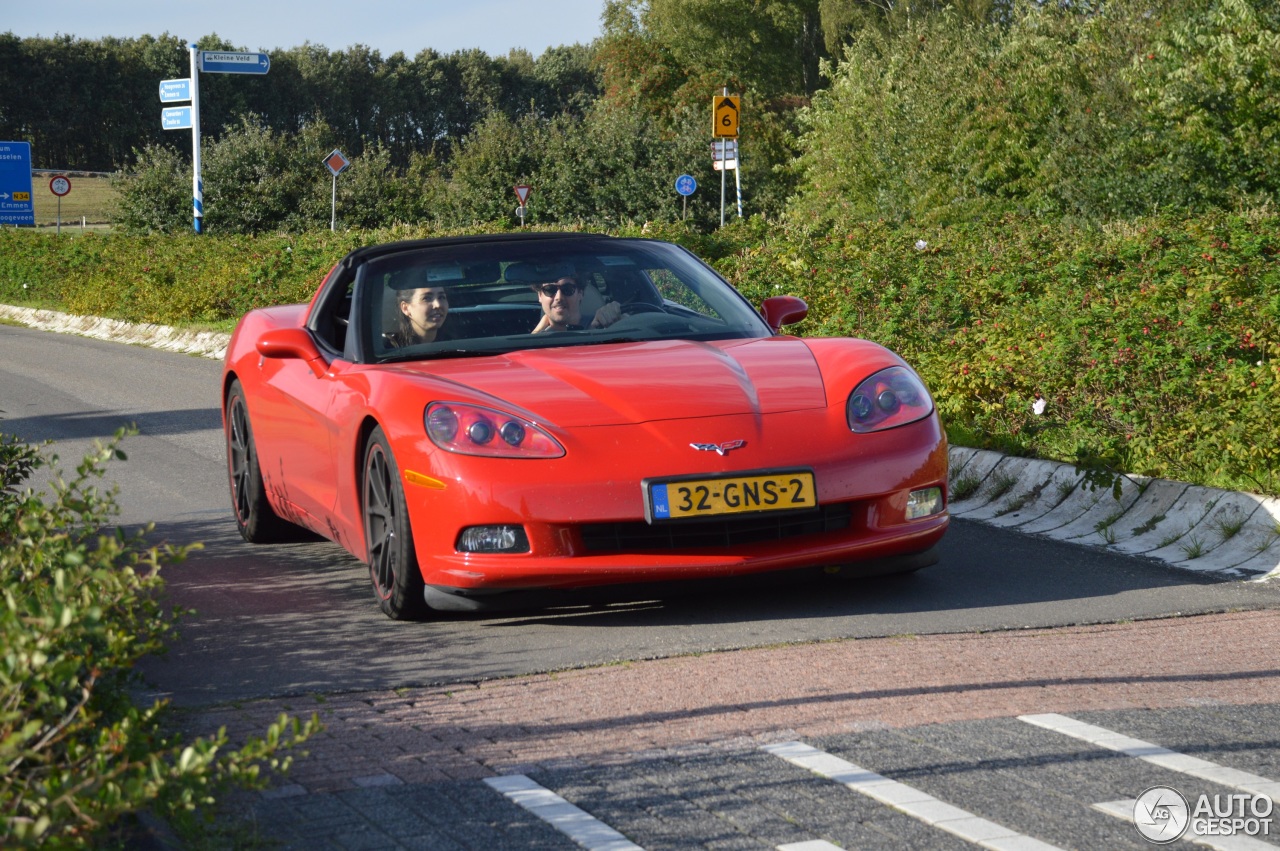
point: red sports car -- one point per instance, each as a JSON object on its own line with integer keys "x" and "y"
{"x": 482, "y": 417}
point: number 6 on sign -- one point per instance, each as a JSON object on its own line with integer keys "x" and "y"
{"x": 724, "y": 116}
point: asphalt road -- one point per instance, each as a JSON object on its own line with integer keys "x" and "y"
{"x": 299, "y": 618}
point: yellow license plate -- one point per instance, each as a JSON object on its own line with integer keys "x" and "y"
{"x": 745, "y": 494}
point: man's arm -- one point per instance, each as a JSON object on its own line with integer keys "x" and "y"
{"x": 607, "y": 315}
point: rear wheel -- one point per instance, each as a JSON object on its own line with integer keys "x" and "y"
{"x": 393, "y": 563}
{"x": 257, "y": 521}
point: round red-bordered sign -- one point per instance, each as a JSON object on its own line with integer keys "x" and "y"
{"x": 60, "y": 186}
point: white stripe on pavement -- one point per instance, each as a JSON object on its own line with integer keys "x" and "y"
{"x": 577, "y": 824}
{"x": 911, "y": 801}
{"x": 811, "y": 845}
{"x": 1124, "y": 810}
{"x": 1101, "y": 737}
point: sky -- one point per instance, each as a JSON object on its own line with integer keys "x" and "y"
{"x": 494, "y": 26}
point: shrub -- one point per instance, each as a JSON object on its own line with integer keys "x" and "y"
{"x": 79, "y": 608}
{"x": 155, "y": 196}
{"x": 1155, "y": 344}
{"x": 1089, "y": 112}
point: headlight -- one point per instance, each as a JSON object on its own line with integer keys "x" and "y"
{"x": 476, "y": 430}
{"x": 892, "y": 397}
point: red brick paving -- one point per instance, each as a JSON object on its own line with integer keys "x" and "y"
{"x": 608, "y": 714}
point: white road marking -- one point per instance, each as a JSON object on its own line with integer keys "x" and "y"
{"x": 578, "y": 825}
{"x": 904, "y": 798}
{"x": 1124, "y": 810}
{"x": 1101, "y": 737}
{"x": 811, "y": 845}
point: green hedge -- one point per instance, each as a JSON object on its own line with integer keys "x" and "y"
{"x": 1154, "y": 343}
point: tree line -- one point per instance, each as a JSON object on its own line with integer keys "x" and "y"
{"x": 852, "y": 109}
{"x": 93, "y": 105}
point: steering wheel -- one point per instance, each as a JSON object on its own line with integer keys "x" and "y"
{"x": 642, "y": 307}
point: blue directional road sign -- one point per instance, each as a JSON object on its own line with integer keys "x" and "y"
{"x": 176, "y": 118}
{"x": 686, "y": 185}
{"x": 175, "y": 90}
{"x": 16, "y": 205}
{"x": 218, "y": 62}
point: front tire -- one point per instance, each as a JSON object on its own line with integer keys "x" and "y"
{"x": 256, "y": 520}
{"x": 393, "y": 562}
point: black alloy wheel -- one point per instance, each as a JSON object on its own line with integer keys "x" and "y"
{"x": 393, "y": 563}
{"x": 257, "y": 521}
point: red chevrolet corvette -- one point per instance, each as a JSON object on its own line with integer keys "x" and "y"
{"x": 478, "y": 418}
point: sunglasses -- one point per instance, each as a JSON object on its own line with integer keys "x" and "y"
{"x": 550, "y": 290}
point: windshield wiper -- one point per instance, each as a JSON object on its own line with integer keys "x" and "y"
{"x": 439, "y": 354}
{"x": 600, "y": 341}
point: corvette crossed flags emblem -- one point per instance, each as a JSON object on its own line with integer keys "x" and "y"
{"x": 719, "y": 448}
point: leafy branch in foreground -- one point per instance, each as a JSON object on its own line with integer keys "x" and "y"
{"x": 80, "y": 606}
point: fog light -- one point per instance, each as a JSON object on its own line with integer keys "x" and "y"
{"x": 493, "y": 539}
{"x": 924, "y": 503}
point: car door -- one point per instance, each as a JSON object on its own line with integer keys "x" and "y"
{"x": 296, "y": 405}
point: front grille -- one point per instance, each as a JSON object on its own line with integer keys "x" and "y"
{"x": 760, "y": 528}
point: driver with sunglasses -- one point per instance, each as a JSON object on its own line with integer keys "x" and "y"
{"x": 562, "y": 308}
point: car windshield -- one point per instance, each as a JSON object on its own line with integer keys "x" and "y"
{"x": 480, "y": 298}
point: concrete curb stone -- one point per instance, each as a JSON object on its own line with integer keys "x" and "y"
{"x": 1226, "y": 513}
{"x": 1260, "y": 538}
{"x": 1100, "y": 511}
{"x": 1234, "y": 534}
{"x": 1208, "y": 530}
{"x": 1147, "y": 523}
{"x": 973, "y": 471}
{"x": 210, "y": 344}
{"x": 1036, "y": 491}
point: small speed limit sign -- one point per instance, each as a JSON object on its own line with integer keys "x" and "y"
{"x": 60, "y": 186}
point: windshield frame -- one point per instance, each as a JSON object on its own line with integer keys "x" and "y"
{"x": 493, "y": 279}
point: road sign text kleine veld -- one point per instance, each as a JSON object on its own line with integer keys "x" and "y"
{"x": 16, "y": 206}
{"x": 221, "y": 62}
{"x": 188, "y": 117}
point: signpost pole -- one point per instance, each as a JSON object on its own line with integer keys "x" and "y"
{"x": 522, "y": 194}
{"x": 336, "y": 162}
{"x": 724, "y": 157}
{"x": 725, "y": 112}
{"x": 686, "y": 186}
{"x": 197, "y": 186}
{"x": 722, "y": 165}
{"x": 737, "y": 179}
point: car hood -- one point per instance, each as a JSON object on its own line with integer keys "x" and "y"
{"x": 627, "y": 383}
